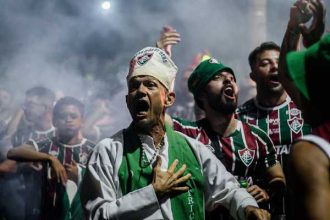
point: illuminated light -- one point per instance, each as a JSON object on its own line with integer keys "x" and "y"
{"x": 205, "y": 57}
{"x": 106, "y": 5}
{"x": 260, "y": 13}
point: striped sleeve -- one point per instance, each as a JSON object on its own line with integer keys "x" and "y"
{"x": 266, "y": 147}
{"x": 188, "y": 128}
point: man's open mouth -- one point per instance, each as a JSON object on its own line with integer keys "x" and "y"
{"x": 229, "y": 92}
{"x": 141, "y": 107}
{"x": 274, "y": 79}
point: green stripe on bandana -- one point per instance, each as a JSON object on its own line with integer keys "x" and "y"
{"x": 132, "y": 176}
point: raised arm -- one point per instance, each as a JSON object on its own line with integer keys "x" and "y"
{"x": 168, "y": 37}
{"x": 314, "y": 32}
{"x": 14, "y": 123}
{"x": 300, "y": 13}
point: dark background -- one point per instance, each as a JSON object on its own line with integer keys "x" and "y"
{"x": 76, "y": 47}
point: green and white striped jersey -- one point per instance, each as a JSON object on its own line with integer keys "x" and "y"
{"x": 63, "y": 202}
{"x": 246, "y": 153}
{"x": 282, "y": 123}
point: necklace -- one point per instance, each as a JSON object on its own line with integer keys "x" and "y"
{"x": 144, "y": 159}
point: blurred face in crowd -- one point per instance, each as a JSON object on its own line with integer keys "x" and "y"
{"x": 34, "y": 109}
{"x": 68, "y": 121}
{"x": 265, "y": 72}
{"x": 146, "y": 100}
{"x": 221, "y": 93}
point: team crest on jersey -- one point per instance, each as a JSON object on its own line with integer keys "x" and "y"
{"x": 296, "y": 124}
{"x": 294, "y": 112}
{"x": 246, "y": 156}
{"x": 143, "y": 59}
{"x": 83, "y": 157}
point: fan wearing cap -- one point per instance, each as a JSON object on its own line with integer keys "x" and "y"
{"x": 149, "y": 171}
{"x": 305, "y": 75}
{"x": 246, "y": 151}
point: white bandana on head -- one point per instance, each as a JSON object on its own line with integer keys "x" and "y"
{"x": 152, "y": 61}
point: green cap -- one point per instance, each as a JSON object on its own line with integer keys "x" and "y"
{"x": 314, "y": 61}
{"x": 204, "y": 72}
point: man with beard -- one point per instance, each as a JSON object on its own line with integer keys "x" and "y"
{"x": 246, "y": 151}
{"x": 149, "y": 171}
{"x": 67, "y": 155}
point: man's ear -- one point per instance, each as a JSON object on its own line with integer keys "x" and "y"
{"x": 170, "y": 98}
{"x": 252, "y": 76}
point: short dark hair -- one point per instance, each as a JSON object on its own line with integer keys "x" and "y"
{"x": 268, "y": 45}
{"x": 68, "y": 100}
{"x": 45, "y": 94}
